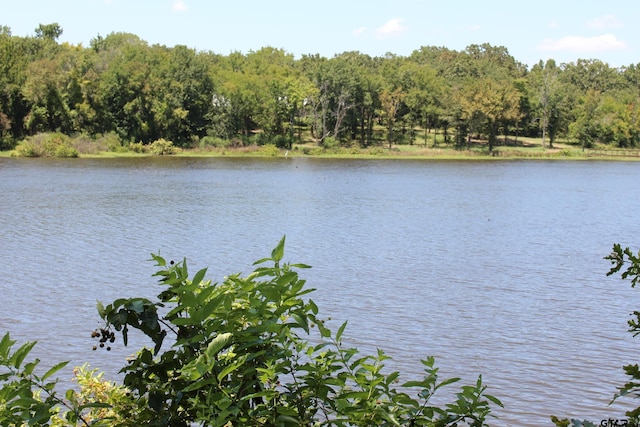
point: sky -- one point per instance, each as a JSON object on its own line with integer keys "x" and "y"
{"x": 563, "y": 30}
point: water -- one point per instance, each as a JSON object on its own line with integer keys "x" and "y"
{"x": 495, "y": 268}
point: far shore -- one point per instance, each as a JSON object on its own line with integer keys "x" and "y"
{"x": 522, "y": 149}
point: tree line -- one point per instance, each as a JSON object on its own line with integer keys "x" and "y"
{"x": 142, "y": 93}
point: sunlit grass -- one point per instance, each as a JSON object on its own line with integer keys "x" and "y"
{"x": 434, "y": 148}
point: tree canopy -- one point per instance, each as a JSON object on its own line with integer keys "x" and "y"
{"x": 142, "y": 93}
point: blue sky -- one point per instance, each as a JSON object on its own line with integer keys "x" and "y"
{"x": 564, "y": 30}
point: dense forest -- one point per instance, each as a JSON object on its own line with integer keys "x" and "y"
{"x": 123, "y": 86}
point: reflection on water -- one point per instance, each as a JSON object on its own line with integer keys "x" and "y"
{"x": 495, "y": 268}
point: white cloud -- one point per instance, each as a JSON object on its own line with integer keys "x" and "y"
{"x": 392, "y": 28}
{"x": 179, "y": 6}
{"x": 474, "y": 28}
{"x": 583, "y": 44}
{"x": 359, "y": 31}
{"x": 553, "y": 24}
{"x": 604, "y": 22}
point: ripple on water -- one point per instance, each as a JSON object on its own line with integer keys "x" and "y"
{"x": 494, "y": 268}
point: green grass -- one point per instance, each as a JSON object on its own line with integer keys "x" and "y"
{"x": 520, "y": 148}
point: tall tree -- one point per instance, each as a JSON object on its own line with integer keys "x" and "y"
{"x": 485, "y": 103}
{"x": 49, "y": 31}
{"x": 546, "y": 85}
{"x": 585, "y": 128}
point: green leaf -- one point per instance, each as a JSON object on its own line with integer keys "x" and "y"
{"x": 324, "y": 332}
{"x": 282, "y": 419}
{"x": 136, "y": 304}
{"x": 286, "y": 278}
{"x": 29, "y": 367}
{"x": 278, "y": 252}
{"x": 18, "y": 357}
{"x": 299, "y": 266}
{"x": 340, "y": 331}
{"x": 301, "y": 321}
{"x": 101, "y": 310}
{"x": 494, "y": 400}
{"x": 160, "y": 262}
{"x": 312, "y": 307}
{"x": 94, "y": 405}
{"x": 5, "y": 345}
{"x": 198, "y": 277}
{"x": 54, "y": 369}
{"x": 217, "y": 344}
{"x": 234, "y": 366}
{"x": 447, "y": 382}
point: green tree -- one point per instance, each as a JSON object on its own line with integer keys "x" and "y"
{"x": 585, "y": 127}
{"x": 425, "y": 96}
{"x": 485, "y": 103}
{"x": 592, "y": 74}
{"x": 391, "y": 100}
{"x": 545, "y": 83}
{"x": 44, "y": 89}
{"x": 181, "y": 91}
{"x": 617, "y": 122}
{"x": 124, "y": 96}
{"x": 49, "y": 31}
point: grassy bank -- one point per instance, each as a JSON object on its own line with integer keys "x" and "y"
{"x": 57, "y": 145}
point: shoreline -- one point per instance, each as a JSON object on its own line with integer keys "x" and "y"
{"x": 450, "y": 155}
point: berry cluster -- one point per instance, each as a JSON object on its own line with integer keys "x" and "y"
{"x": 103, "y": 335}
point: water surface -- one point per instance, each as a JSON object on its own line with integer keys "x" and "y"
{"x": 495, "y": 268}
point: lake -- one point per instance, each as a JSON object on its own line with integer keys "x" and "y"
{"x": 495, "y": 268}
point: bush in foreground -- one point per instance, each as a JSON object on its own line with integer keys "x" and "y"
{"x": 238, "y": 357}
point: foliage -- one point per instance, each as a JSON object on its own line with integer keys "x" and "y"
{"x": 137, "y": 147}
{"x": 252, "y": 351}
{"x": 247, "y": 351}
{"x": 269, "y": 150}
{"x": 211, "y": 141}
{"x": 46, "y": 145}
{"x": 120, "y": 84}
{"x": 162, "y": 147}
{"x": 100, "y": 402}
{"x": 27, "y": 398}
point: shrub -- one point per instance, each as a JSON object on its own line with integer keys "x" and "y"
{"x": 65, "y": 150}
{"x": 213, "y": 141}
{"x": 330, "y": 143}
{"x": 96, "y": 402}
{"x": 137, "y": 147}
{"x": 238, "y": 357}
{"x": 46, "y": 145}
{"x": 259, "y": 138}
{"x": 26, "y": 148}
{"x": 269, "y": 150}
{"x": 86, "y": 144}
{"x": 162, "y": 147}
{"x": 283, "y": 142}
{"x": 112, "y": 141}
{"x": 376, "y": 151}
{"x": 249, "y": 351}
